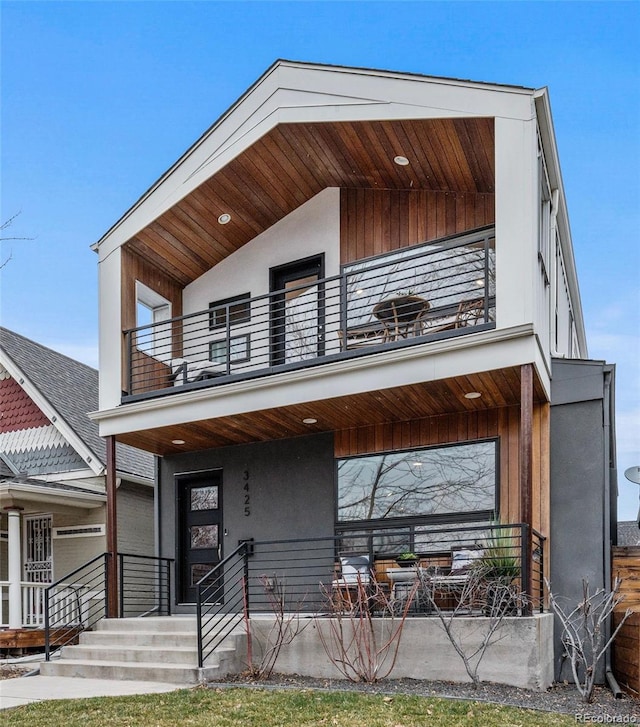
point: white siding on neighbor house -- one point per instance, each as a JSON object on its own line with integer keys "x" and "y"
{"x": 135, "y": 519}
{"x": 71, "y": 553}
{"x": 3, "y": 559}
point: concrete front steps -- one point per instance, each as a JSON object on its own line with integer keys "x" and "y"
{"x": 159, "y": 649}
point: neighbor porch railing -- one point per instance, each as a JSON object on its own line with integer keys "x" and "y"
{"x": 425, "y": 292}
{"x": 308, "y": 571}
{"x": 32, "y": 604}
{"x": 80, "y": 600}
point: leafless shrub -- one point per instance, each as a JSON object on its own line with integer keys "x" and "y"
{"x": 488, "y": 600}
{"x": 282, "y": 631}
{"x": 361, "y": 645}
{"x": 584, "y": 631}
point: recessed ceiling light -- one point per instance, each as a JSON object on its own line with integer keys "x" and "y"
{"x": 178, "y": 441}
{"x": 473, "y": 395}
{"x": 310, "y": 420}
{"x": 224, "y": 218}
{"x": 401, "y": 161}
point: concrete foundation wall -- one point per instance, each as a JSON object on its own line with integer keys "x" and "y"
{"x": 522, "y": 656}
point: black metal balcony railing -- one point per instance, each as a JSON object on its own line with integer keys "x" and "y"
{"x": 436, "y": 290}
{"x": 307, "y": 573}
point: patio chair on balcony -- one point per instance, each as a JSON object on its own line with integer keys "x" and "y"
{"x": 469, "y": 313}
{"x": 184, "y": 371}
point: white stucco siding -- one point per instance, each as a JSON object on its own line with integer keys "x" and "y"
{"x": 311, "y": 229}
{"x": 516, "y": 222}
{"x": 110, "y": 361}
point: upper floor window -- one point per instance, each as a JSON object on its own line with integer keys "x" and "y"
{"x": 448, "y": 480}
{"x": 236, "y": 309}
{"x": 152, "y": 309}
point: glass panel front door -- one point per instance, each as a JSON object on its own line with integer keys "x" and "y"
{"x": 200, "y": 526}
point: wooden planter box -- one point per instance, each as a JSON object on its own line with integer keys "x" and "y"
{"x": 626, "y": 653}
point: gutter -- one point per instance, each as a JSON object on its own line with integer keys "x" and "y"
{"x": 607, "y": 405}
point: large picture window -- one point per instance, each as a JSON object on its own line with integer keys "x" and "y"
{"x": 439, "y": 481}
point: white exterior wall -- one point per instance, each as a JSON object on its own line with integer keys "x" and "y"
{"x": 516, "y": 222}
{"x": 110, "y": 324}
{"x": 311, "y": 229}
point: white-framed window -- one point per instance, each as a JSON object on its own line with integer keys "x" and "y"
{"x": 152, "y": 310}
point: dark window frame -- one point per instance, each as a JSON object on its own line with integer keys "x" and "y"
{"x": 218, "y": 311}
{"x": 228, "y": 341}
{"x": 437, "y": 518}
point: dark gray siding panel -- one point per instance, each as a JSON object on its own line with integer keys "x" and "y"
{"x": 291, "y": 489}
{"x": 579, "y": 484}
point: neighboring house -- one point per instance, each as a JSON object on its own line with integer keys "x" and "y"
{"x": 351, "y": 311}
{"x": 52, "y": 478}
{"x": 628, "y": 533}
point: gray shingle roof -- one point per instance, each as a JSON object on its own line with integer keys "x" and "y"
{"x": 71, "y": 388}
{"x": 628, "y": 533}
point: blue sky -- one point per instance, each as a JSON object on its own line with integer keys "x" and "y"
{"x": 99, "y": 98}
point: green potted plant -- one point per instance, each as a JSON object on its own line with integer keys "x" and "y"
{"x": 499, "y": 567}
{"x": 407, "y": 559}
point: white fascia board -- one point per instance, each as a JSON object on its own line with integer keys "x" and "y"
{"x": 135, "y": 479}
{"x": 58, "y": 421}
{"x": 33, "y": 493}
{"x": 79, "y": 478}
{"x": 434, "y": 361}
{"x": 548, "y": 138}
{"x": 293, "y": 93}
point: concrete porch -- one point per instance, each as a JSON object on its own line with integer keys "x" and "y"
{"x": 164, "y": 649}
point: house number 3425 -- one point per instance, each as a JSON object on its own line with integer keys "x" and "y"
{"x": 247, "y": 493}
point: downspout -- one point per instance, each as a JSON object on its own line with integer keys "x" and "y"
{"x": 607, "y": 404}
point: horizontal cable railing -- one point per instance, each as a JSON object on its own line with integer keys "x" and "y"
{"x": 145, "y": 585}
{"x": 314, "y": 576}
{"x": 75, "y": 603}
{"x": 423, "y": 292}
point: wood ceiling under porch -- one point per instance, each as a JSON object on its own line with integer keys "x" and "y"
{"x": 499, "y": 389}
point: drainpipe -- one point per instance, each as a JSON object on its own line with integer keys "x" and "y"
{"x": 15, "y": 567}
{"x": 607, "y": 426}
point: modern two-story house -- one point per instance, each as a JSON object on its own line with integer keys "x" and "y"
{"x": 350, "y": 312}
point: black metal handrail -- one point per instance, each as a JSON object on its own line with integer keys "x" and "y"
{"x": 221, "y": 601}
{"x": 75, "y": 603}
{"x": 451, "y": 282}
{"x": 144, "y": 585}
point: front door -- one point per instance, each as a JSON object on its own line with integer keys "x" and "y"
{"x": 200, "y": 530}
{"x": 297, "y": 310}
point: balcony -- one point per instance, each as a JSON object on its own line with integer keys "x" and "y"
{"x": 427, "y": 292}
